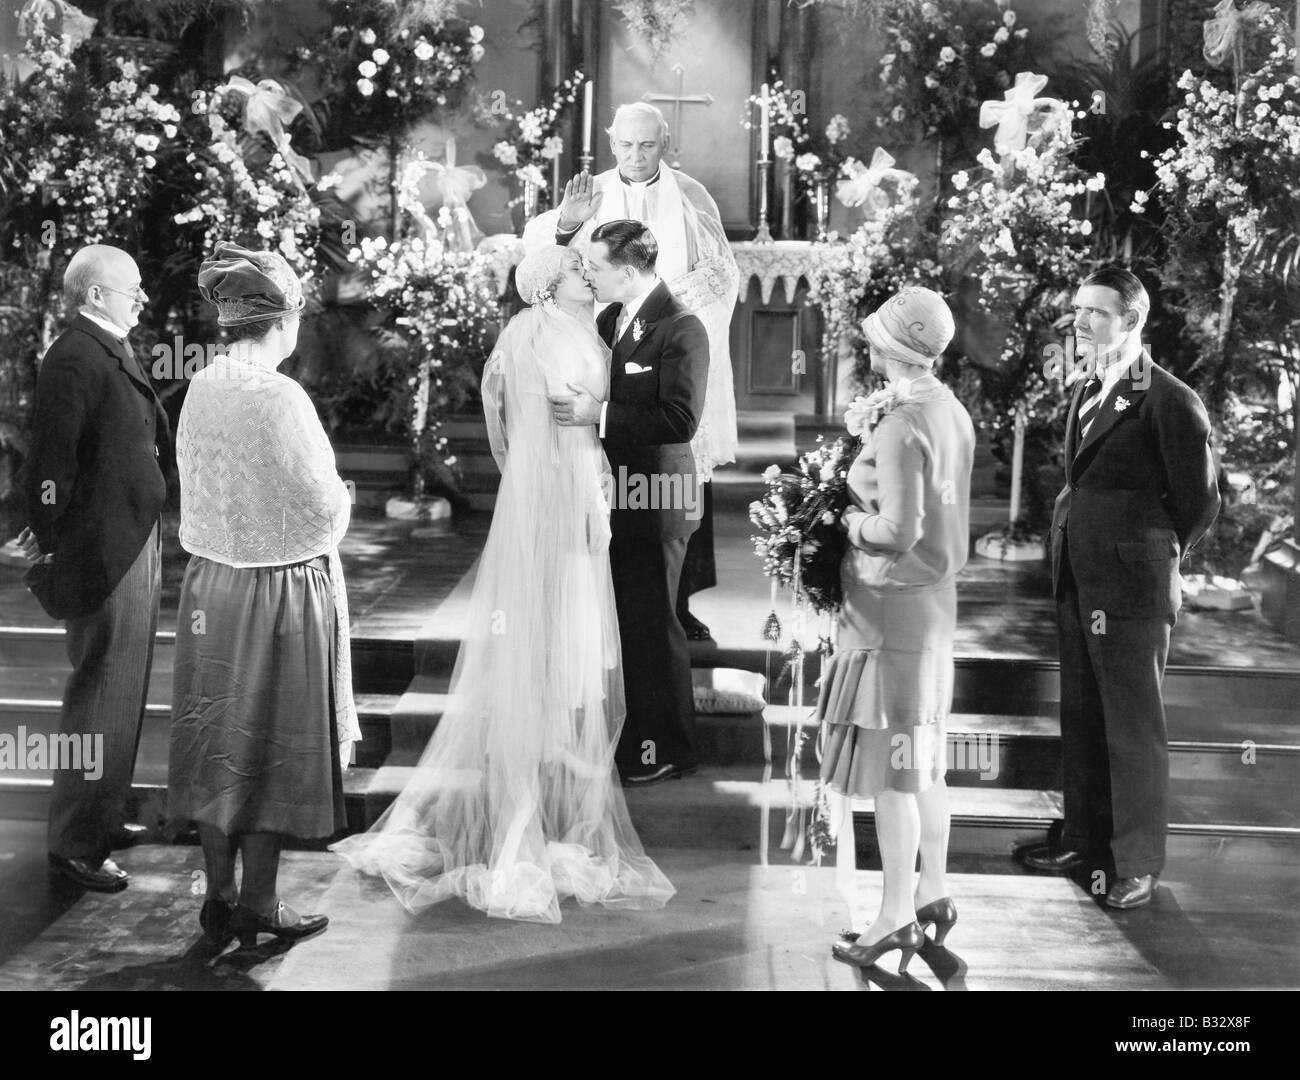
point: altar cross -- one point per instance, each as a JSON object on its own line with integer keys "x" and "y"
{"x": 678, "y": 100}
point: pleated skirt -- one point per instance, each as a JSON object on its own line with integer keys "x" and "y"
{"x": 254, "y": 746}
{"x": 887, "y": 691}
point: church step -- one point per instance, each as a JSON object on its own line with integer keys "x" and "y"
{"x": 41, "y": 718}
{"x": 37, "y": 656}
{"x": 1243, "y": 703}
{"x": 983, "y": 749}
{"x": 731, "y": 808}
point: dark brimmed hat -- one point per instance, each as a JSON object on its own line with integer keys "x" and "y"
{"x": 249, "y": 286}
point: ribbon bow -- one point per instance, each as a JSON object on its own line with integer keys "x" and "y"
{"x": 1020, "y": 106}
{"x": 456, "y": 183}
{"x": 865, "y": 186}
{"x": 1225, "y": 33}
{"x": 268, "y": 109}
{"x": 72, "y": 22}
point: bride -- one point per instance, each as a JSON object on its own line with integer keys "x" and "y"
{"x": 516, "y": 802}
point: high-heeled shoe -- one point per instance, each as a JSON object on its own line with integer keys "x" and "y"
{"x": 215, "y": 917}
{"x": 942, "y": 913}
{"x": 247, "y": 924}
{"x": 908, "y": 938}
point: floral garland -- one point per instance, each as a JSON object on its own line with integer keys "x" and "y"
{"x": 811, "y": 155}
{"x": 943, "y": 59}
{"x": 390, "y": 65}
{"x": 531, "y": 139}
{"x": 256, "y": 204}
{"x": 1015, "y": 226}
{"x": 851, "y": 280}
{"x": 98, "y": 139}
{"x": 444, "y": 301}
{"x": 1229, "y": 190}
{"x": 657, "y": 22}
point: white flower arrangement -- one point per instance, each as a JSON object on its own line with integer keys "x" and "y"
{"x": 100, "y": 180}
{"x": 532, "y": 138}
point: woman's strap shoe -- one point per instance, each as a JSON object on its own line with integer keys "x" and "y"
{"x": 283, "y": 922}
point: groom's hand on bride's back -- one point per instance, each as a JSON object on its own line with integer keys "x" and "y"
{"x": 578, "y": 409}
{"x": 581, "y": 201}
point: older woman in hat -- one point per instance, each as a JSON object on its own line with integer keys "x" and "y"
{"x": 262, "y": 716}
{"x": 887, "y": 691}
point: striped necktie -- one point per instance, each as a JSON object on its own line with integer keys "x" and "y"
{"x": 1088, "y": 406}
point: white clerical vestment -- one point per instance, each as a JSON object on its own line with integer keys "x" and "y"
{"x": 697, "y": 264}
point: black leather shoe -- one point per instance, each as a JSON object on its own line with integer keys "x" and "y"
{"x": 1131, "y": 892}
{"x": 216, "y": 917}
{"x": 655, "y": 776}
{"x": 128, "y": 835}
{"x": 1051, "y": 860}
{"x": 283, "y": 922}
{"x": 107, "y": 876}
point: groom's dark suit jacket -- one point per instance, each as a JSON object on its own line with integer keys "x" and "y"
{"x": 653, "y": 412}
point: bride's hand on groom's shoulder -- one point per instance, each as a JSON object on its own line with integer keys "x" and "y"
{"x": 581, "y": 201}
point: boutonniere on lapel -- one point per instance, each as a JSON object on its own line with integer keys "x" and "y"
{"x": 1122, "y": 403}
{"x": 638, "y": 330}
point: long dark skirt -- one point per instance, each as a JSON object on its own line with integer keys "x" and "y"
{"x": 253, "y": 742}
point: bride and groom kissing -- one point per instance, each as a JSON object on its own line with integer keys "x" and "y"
{"x": 573, "y": 670}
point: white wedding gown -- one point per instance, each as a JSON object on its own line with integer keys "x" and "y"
{"x": 516, "y": 803}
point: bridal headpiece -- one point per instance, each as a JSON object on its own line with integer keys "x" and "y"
{"x": 539, "y": 272}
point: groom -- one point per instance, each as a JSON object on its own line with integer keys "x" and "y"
{"x": 658, "y": 374}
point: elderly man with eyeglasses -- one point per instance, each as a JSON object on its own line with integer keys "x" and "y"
{"x": 95, "y": 485}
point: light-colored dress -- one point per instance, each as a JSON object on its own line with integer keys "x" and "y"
{"x": 262, "y": 702}
{"x": 887, "y": 690}
{"x": 515, "y": 803}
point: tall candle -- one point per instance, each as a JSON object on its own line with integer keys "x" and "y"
{"x": 765, "y": 135}
{"x": 587, "y": 91}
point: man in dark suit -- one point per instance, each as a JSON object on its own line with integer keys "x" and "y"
{"x": 1140, "y": 492}
{"x": 95, "y": 485}
{"x": 658, "y": 374}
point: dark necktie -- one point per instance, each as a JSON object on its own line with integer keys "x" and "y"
{"x": 1088, "y": 406}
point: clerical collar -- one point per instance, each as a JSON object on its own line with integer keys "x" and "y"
{"x": 642, "y": 183}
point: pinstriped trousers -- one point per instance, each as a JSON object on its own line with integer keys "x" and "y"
{"x": 111, "y": 651}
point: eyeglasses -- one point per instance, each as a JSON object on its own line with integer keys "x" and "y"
{"x": 136, "y": 294}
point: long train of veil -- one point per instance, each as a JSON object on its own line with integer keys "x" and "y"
{"x": 515, "y": 802}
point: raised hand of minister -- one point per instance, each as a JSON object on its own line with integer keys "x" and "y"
{"x": 581, "y": 201}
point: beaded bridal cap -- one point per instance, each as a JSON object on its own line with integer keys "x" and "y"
{"x": 913, "y": 326}
{"x": 249, "y": 286}
{"x": 538, "y": 272}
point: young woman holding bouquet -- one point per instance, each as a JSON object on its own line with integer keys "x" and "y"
{"x": 887, "y": 691}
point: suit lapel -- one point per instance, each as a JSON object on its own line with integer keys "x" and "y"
{"x": 650, "y": 313}
{"x": 121, "y": 352}
{"x": 1124, "y": 395}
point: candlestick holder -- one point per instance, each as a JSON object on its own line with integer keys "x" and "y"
{"x": 586, "y": 161}
{"x": 764, "y": 235}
